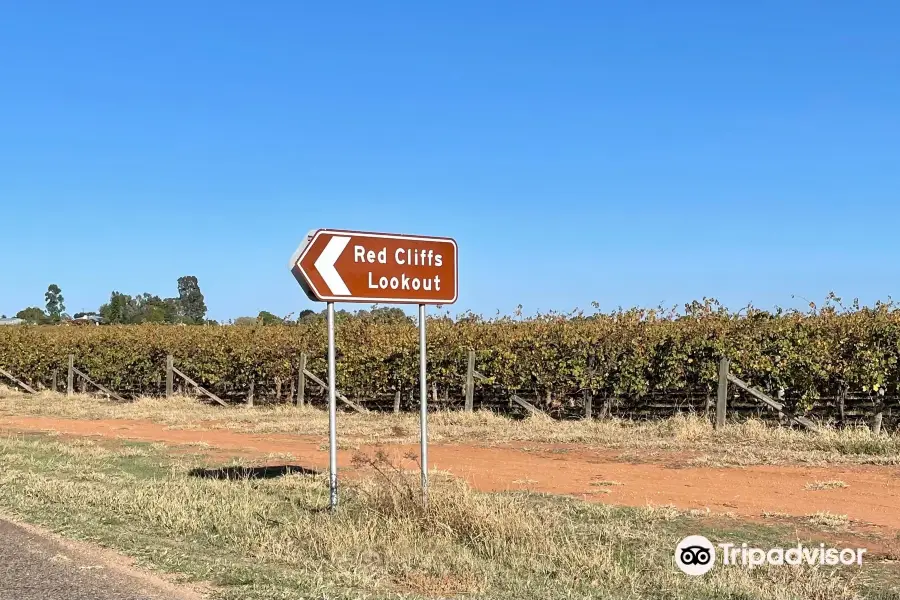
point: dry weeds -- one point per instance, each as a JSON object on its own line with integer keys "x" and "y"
{"x": 825, "y": 485}
{"x": 745, "y": 443}
{"x": 827, "y": 519}
{"x": 272, "y": 538}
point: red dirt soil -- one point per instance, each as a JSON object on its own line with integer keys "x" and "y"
{"x": 872, "y": 496}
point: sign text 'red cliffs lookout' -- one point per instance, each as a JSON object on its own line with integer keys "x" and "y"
{"x": 352, "y": 266}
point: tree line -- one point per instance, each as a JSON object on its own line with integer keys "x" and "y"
{"x": 378, "y": 314}
{"x": 188, "y": 308}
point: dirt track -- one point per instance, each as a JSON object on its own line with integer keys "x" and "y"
{"x": 872, "y": 495}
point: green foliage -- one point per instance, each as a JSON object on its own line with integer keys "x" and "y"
{"x": 33, "y": 315}
{"x": 267, "y": 318}
{"x": 123, "y": 309}
{"x": 306, "y": 315}
{"x": 55, "y": 302}
{"x": 625, "y": 354}
{"x": 385, "y": 314}
{"x": 118, "y": 310}
{"x": 188, "y": 307}
{"x": 190, "y": 300}
{"x": 264, "y": 318}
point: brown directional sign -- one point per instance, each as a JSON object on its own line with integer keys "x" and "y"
{"x": 354, "y": 266}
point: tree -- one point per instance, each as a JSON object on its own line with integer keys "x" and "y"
{"x": 143, "y": 308}
{"x": 306, "y": 316}
{"x": 153, "y": 309}
{"x": 190, "y": 300}
{"x": 385, "y": 314}
{"x": 267, "y": 318}
{"x": 245, "y": 321}
{"x": 33, "y": 315}
{"x": 119, "y": 310}
{"x": 54, "y": 298}
{"x": 171, "y": 309}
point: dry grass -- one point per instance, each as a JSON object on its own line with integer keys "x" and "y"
{"x": 604, "y": 486}
{"x": 827, "y": 519}
{"x": 271, "y": 538}
{"x": 825, "y": 485}
{"x": 746, "y": 443}
{"x": 776, "y": 515}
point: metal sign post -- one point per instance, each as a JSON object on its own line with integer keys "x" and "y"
{"x": 332, "y": 413}
{"x": 339, "y": 265}
{"x": 423, "y": 403}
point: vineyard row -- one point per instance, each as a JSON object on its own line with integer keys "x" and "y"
{"x": 550, "y": 360}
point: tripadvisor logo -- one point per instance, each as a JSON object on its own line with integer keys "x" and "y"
{"x": 696, "y": 555}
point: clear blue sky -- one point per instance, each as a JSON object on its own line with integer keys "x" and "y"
{"x": 629, "y": 153}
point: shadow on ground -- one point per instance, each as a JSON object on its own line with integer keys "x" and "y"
{"x": 242, "y": 472}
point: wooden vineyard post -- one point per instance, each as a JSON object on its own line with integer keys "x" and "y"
{"x": 54, "y": 384}
{"x": 291, "y": 392}
{"x": 278, "y": 389}
{"x": 18, "y": 381}
{"x": 434, "y": 397}
{"x": 70, "y": 380}
{"x": 770, "y": 402}
{"x": 301, "y": 381}
{"x": 842, "y": 401}
{"x": 722, "y": 399}
{"x": 84, "y": 380}
{"x": 785, "y": 420}
{"x": 170, "y": 375}
{"x": 879, "y": 413}
{"x": 470, "y": 382}
{"x": 199, "y": 388}
{"x": 589, "y": 392}
{"x": 877, "y": 420}
{"x": 250, "y": 395}
{"x": 531, "y": 408}
{"x": 397, "y": 402}
{"x": 324, "y": 385}
{"x": 604, "y": 408}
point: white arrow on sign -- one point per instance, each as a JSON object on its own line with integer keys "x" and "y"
{"x": 325, "y": 265}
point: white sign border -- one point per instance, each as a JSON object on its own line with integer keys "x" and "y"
{"x": 301, "y": 253}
